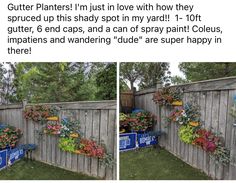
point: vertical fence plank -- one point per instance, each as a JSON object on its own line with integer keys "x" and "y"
{"x": 222, "y": 127}
{"x": 48, "y": 148}
{"x": 163, "y": 139}
{"x": 214, "y": 125}
{"x": 115, "y": 149}
{"x": 111, "y": 137}
{"x": 231, "y": 137}
{"x": 75, "y": 157}
{"x": 178, "y": 141}
{"x": 53, "y": 152}
{"x": 88, "y": 135}
{"x": 103, "y": 137}
{"x": 186, "y": 146}
{"x": 190, "y": 98}
{"x": 196, "y": 97}
{"x": 37, "y": 154}
{"x": 95, "y": 134}
{"x": 58, "y": 153}
{"x": 167, "y": 129}
{"x": 208, "y": 120}
{"x": 201, "y": 154}
{"x": 228, "y": 128}
{"x": 82, "y": 126}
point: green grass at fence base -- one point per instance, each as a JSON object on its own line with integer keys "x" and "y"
{"x": 149, "y": 164}
{"x": 34, "y": 170}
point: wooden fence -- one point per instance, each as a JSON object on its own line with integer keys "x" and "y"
{"x": 97, "y": 119}
{"x": 126, "y": 101}
{"x": 215, "y": 98}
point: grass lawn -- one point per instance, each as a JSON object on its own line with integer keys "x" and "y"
{"x": 34, "y": 170}
{"x": 148, "y": 164}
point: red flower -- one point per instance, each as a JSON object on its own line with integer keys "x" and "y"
{"x": 207, "y": 140}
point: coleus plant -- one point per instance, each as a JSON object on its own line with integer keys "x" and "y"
{"x": 206, "y": 139}
{"x": 9, "y": 136}
{"x": 91, "y": 148}
{"x": 140, "y": 121}
{"x": 167, "y": 95}
{"x": 40, "y": 113}
{"x": 212, "y": 143}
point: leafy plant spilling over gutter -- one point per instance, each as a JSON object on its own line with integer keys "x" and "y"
{"x": 136, "y": 122}
{"x": 9, "y": 136}
{"x": 168, "y": 96}
{"x": 40, "y": 113}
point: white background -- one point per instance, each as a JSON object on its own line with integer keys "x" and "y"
{"x": 213, "y": 12}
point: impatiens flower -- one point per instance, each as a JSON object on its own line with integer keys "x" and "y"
{"x": 9, "y": 136}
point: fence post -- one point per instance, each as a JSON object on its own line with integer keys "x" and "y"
{"x": 158, "y": 85}
{"x": 24, "y": 103}
{"x": 134, "y": 91}
{"x": 158, "y": 127}
{"x": 25, "y": 125}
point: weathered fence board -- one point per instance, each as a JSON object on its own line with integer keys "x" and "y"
{"x": 215, "y": 98}
{"x": 97, "y": 119}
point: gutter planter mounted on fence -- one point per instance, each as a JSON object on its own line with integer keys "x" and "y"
{"x": 177, "y": 103}
{"x": 41, "y": 113}
{"x": 168, "y": 96}
{"x": 53, "y": 128}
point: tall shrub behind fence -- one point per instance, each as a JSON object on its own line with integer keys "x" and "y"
{"x": 215, "y": 98}
{"x": 97, "y": 119}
